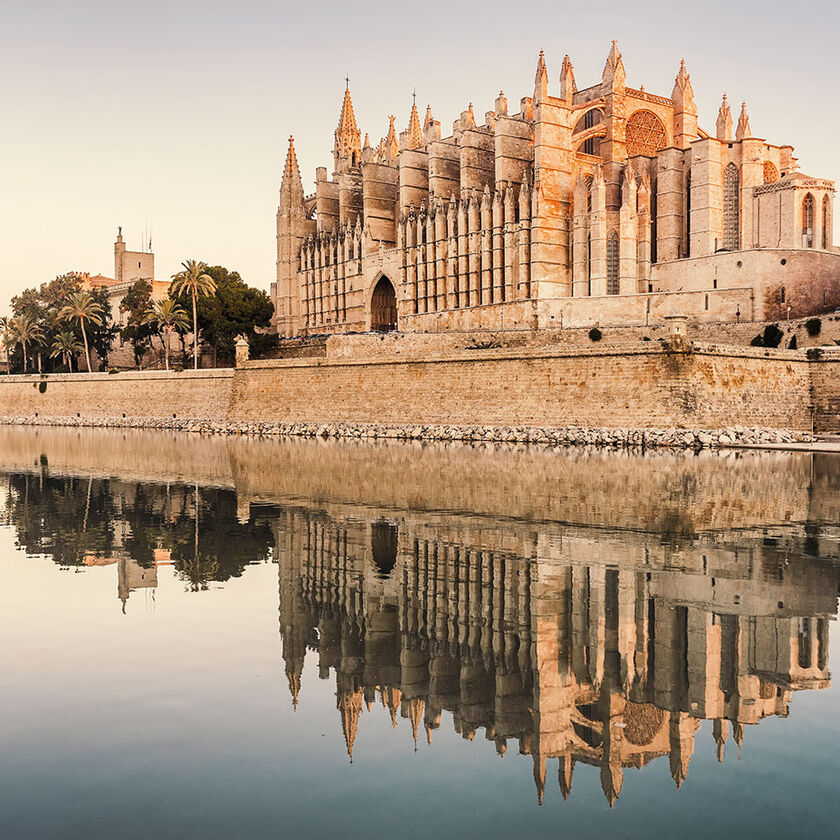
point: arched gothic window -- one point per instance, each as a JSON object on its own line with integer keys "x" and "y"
{"x": 731, "y": 209}
{"x": 588, "y": 147}
{"x": 771, "y": 174}
{"x": 612, "y": 263}
{"x": 808, "y": 221}
{"x": 826, "y": 224}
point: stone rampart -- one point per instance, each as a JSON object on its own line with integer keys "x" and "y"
{"x": 647, "y": 386}
{"x": 201, "y": 394}
{"x": 629, "y": 387}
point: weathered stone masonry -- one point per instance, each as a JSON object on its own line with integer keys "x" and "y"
{"x": 701, "y": 387}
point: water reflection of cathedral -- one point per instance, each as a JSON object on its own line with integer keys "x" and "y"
{"x": 605, "y": 649}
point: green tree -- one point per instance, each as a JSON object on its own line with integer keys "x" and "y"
{"x": 102, "y": 335}
{"x": 24, "y": 330}
{"x": 66, "y": 345}
{"x": 193, "y": 281}
{"x": 234, "y": 310}
{"x": 137, "y": 330}
{"x": 166, "y": 315}
{"x": 82, "y": 307}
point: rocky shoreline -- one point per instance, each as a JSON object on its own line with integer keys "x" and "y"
{"x": 734, "y": 436}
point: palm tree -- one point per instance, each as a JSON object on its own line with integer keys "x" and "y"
{"x": 166, "y": 315}
{"x": 193, "y": 280}
{"x": 66, "y": 345}
{"x": 81, "y": 307}
{"x": 24, "y": 330}
{"x": 6, "y": 338}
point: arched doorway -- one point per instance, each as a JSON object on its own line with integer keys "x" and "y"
{"x": 383, "y": 306}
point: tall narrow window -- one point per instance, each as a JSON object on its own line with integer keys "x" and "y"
{"x": 589, "y": 264}
{"x": 688, "y": 215}
{"x": 826, "y": 224}
{"x": 808, "y": 221}
{"x": 731, "y": 208}
{"x": 654, "y": 228}
{"x": 588, "y": 147}
{"x": 612, "y": 263}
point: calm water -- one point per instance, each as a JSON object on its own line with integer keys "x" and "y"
{"x": 235, "y": 638}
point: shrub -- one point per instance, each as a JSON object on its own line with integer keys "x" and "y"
{"x": 42, "y": 387}
{"x": 646, "y": 338}
{"x": 773, "y": 336}
{"x": 793, "y": 345}
{"x": 814, "y": 353}
{"x": 813, "y": 325}
{"x": 595, "y": 334}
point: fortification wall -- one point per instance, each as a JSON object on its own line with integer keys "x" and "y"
{"x": 201, "y": 394}
{"x": 613, "y": 388}
{"x": 643, "y": 386}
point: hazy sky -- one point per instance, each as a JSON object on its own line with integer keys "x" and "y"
{"x": 175, "y": 115}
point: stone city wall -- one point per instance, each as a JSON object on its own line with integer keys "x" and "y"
{"x": 630, "y": 387}
{"x": 201, "y": 394}
{"x": 643, "y": 387}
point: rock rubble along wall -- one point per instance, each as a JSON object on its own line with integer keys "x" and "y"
{"x": 627, "y": 388}
{"x": 202, "y": 394}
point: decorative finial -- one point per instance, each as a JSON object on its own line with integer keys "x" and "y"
{"x": 347, "y": 81}
{"x": 414, "y": 96}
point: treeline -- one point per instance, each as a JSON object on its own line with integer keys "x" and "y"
{"x": 65, "y": 326}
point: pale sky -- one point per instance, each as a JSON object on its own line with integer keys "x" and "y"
{"x": 174, "y": 116}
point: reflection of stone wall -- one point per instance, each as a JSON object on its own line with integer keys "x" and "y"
{"x": 677, "y": 494}
{"x": 588, "y": 650}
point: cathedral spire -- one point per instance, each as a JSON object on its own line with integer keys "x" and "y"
{"x": 414, "y": 134}
{"x": 564, "y": 775}
{"x": 743, "y": 129}
{"x": 683, "y": 93}
{"x": 291, "y": 171}
{"x": 541, "y": 80}
{"x": 391, "y": 145}
{"x": 568, "y": 87}
{"x": 348, "y": 139}
{"x": 614, "y": 75}
{"x": 724, "y": 121}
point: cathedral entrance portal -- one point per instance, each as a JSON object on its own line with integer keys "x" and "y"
{"x": 383, "y": 306}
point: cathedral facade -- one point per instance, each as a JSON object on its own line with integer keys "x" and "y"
{"x": 604, "y": 205}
